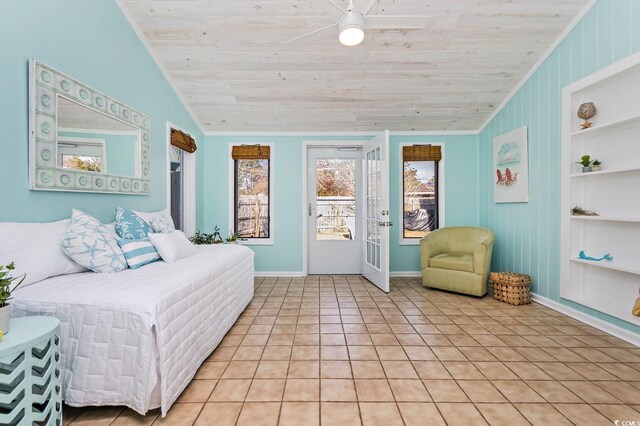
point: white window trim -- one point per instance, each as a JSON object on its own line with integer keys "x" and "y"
{"x": 188, "y": 182}
{"x": 231, "y": 214}
{"x": 441, "y": 195}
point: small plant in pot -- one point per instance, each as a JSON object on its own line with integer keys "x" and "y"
{"x": 232, "y": 238}
{"x": 202, "y": 238}
{"x": 586, "y": 162}
{"x": 595, "y": 166}
{"x": 7, "y": 286}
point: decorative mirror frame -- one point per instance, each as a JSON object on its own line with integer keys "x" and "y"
{"x": 44, "y": 174}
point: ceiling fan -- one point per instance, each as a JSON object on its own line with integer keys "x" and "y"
{"x": 352, "y": 22}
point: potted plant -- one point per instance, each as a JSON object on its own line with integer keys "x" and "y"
{"x": 595, "y": 166}
{"x": 586, "y": 162}
{"x": 232, "y": 238}
{"x": 200, "y": 238}
{"x": 217, "y": 238}
{"x": 6, "y": 282}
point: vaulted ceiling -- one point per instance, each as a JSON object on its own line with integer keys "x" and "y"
{"x": 232, "y": 65}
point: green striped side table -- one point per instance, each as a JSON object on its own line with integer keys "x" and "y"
{"x": 30, "y": 372}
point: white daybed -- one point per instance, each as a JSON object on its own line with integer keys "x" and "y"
{"x": 137, "y": 337}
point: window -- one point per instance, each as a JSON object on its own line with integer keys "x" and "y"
{"x": 176, "y": 178}
{"x": 420, "y": 194}
{"x": 180, "y": 142}
{"x": 252, "y": 188}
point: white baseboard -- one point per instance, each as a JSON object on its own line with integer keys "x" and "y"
{"x": 612, "y": 329}
{"x": 296, "y": 274}
{"x": 285, "y": 274}
{"x": 405, "y": 274}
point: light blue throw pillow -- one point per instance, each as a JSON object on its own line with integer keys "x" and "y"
{"x": 90, "y": 244}
{"x": 138, "y": 252}
{"x": 130, "y": 225}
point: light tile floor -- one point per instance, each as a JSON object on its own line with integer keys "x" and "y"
{"x": 338, "y": 351}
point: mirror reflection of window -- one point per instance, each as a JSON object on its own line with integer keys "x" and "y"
{"x": 98, "y": 142}
{"x": 90, "y": 164}
{"x": 82, "y": 154}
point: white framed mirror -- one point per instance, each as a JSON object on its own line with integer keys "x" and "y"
{"x": 84, "y": 140}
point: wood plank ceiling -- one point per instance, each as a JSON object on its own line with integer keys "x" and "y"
{"x": 230, "y": 61}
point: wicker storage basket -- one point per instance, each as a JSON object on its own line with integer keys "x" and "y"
{"x": 511, "y": 288}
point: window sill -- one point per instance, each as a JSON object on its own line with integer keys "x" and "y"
{"x": 410, "y": 241}
{"x": 257, "y": 242}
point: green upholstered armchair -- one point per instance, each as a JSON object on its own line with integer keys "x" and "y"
{"x": 457, "y": 258}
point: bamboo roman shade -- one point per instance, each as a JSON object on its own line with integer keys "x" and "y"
{"x": 183, "y": 141}
{"x": 421, "y": 153}
{"x": 250, "y": 152}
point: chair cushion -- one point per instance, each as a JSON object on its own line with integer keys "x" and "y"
{"x": 453, "y": 261}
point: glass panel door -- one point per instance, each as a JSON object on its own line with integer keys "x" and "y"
{"x": 376, "y": 223}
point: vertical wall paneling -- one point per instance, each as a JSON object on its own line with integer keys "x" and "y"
{"x": 528, "y": 235}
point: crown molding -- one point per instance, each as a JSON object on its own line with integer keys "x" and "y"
{"x": 345, "y": 133}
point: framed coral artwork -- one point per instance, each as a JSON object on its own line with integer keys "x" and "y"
{"x": 511, "y": 167}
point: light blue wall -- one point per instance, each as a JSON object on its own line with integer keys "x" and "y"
{"x": 91, "y": 41}
{"x": 528, "y": 234}
{"x": 461, "y": 191}
{"x": 461, "y": 169}
{"x": 121, "y": 151}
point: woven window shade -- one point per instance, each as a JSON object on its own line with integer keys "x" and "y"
{"x": 250, "y": 152}
{"x": 183, "y": 141}
{"x": 421, "y": 153}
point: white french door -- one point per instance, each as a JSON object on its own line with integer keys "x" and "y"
{"x": 376, "y": 220}
{"x": 334, "y": 211}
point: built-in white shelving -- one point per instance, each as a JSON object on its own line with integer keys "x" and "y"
{"x": 604, "y": 128}
{"x": 608, "y": 265}
{"x": 606, "y": 172}
{"x": 613, "y": 192}
{"x": 631, "y": 219}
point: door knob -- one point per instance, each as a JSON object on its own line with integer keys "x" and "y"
{"x": 309, "y": 209}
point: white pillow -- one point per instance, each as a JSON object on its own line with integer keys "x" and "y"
{"x": 172, "y": 245}
{"x": 149, "y": 216}
{"x": 36, "y": 250}
{"x": 112, "y": 229}
{"x": 91, "y": 244}
{"x": 162, "y": 224}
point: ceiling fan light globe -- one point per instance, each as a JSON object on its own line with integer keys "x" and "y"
{"x": 351, "y": 36}
{"x": 351, "y": 28}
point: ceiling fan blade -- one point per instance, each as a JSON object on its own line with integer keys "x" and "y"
{"x": 312, "y": 33}
{"x": 330, "y": 7}
{"x": 396, "y": 22}
{"x": 363, "y": 6}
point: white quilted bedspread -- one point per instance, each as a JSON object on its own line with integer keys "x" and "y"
{"x": 124, "y": 333}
